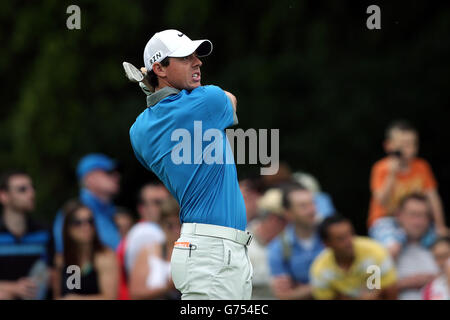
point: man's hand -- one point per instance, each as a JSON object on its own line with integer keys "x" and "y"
{"x": 145, "y": 81}
{"x": 281, "y": 285}
{"x": 284, "y": 288}
{"x": 25, "y": 288}
{"x": 6, "y": 295}
{"x": 442, "y": 231}
{"x": 415, "y": 281}
{"x": 370, "y": 294}
{"x": 394, "y": 165}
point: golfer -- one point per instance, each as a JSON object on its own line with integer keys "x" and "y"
{"x": 210, "y": 259}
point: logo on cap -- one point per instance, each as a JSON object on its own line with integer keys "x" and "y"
{"x": 180, "y": 35}
{"x": 155, "y": 57}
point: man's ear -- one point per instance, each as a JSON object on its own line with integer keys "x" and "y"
{"x": 3, "y": 197}
{"x": 159, "y": 70}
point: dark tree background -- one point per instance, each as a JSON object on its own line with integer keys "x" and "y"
{"x": 310, "y": 68}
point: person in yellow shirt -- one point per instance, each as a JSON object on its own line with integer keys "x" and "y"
{"x": 351, "y": 267}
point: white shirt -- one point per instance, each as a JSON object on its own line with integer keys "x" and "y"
{"x": 159, "y": 272}
{"x": 414, "y": 259}
{"x": 142, "y": 235}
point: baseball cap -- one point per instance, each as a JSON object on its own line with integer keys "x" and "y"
{"x": 173, "y": 43}
{"x": 271, "y": 202}
{"x": 95, "y": 161}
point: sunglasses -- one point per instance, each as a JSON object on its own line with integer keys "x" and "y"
{"x": 80, "y": 222}
{"x": 23, "y": 189}
{"x": 156, "y": 202}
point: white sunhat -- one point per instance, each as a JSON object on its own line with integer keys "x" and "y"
{"x": 173, "y": 43}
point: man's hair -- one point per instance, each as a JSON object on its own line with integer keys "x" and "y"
{"x": 6, "y": 176}
{"x": 154, "y": 184}
{"x": 169, "y": 208}
{"x": 413, "y": 196}
{"x": 252, "y": 183}
{"x": 327, "y": 223}
{"x": 287, "y": 190}
{"x": 152, "y": 77}
{"x": 124, "y": 211}
{"x": 402, "y": 125}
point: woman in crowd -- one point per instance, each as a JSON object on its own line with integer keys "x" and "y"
{"x": 85, "y": 257}
{"x": 150, "y": 277}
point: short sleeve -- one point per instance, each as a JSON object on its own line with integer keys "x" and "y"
{"x": 321, "y": 288}
{"x": 387, "y": 269}
{"x": 430, "y": 181}
{"x": 385, "y": 231}
{"x": 275, "y": 257}
{"x": 218, "y": 107}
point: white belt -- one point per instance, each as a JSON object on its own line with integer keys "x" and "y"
{"x": 211, "y": 230}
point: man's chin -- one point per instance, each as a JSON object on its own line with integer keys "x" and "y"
{"x": 194, "y": 86}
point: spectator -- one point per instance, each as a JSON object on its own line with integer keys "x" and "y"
{"x": 400, "y": 173}
{"x": 341, "y": 270}
{"x": 143, "y": 234}
{"x": 26, "y": 247}
{"x": 99, "y": 179}
{"x": 415, "y": 264}
{"x": 265, "y": 228}
{"x": 148, "y": 230}
{"x": 322, "y": 200}
{"x": 391, "y": 231}
{"x": 439, "y": 288}
{"x": 124, "y": 221}
{"x": 150, "y": 277}
{"x": 292, "y": 252}
{"x": 251, "y": 194}
{"x": 99, "y": 275}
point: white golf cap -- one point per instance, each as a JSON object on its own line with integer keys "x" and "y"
{"x": 173, "y": 43}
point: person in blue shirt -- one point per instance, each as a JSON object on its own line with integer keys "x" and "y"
{"x": 100, "y": 182}
{"x": 291, "y": 254}
{"x": 26, "y": 246}
{"x": 180, "y": 136}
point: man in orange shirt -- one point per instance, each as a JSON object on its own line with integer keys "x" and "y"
{"x": 401, "y": 173}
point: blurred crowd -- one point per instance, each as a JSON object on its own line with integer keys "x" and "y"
{"x": 303, "y": 248}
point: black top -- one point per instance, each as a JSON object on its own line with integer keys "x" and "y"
{"x": 19, "y": 254}
{"x": 88, "y": 283}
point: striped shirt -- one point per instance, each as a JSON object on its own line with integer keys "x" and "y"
{"x": 19, "y": 254}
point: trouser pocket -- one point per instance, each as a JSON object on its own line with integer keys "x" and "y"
{"x": 179, "y": 265}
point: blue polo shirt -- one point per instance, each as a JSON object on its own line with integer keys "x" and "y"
{"x": 103, "y": 219}
{"x": 207, "y": 191}
{"x": 297, "y": 266}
